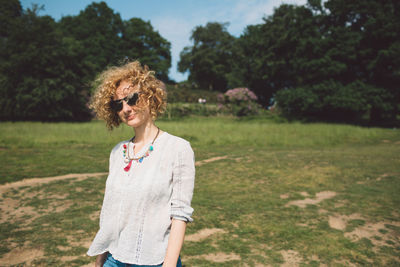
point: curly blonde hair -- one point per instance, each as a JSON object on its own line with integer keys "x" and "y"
{"x": 152, "y": 92}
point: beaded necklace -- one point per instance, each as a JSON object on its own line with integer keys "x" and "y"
{"x": 128, "y": 159}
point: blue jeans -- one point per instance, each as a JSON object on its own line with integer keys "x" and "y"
{"x": 111, "y": 262}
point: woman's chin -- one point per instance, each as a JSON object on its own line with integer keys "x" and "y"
{"x": 134, "y": 122}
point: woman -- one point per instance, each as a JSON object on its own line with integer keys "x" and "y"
{"x": 151, "y": 176}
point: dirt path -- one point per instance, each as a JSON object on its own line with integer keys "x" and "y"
{"x": 205, "y": 161}
{"x": 43, "y": 180}
{"x": 79, "y": 176}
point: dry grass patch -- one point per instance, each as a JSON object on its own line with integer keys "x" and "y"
{"x": 205, "y": 161}
{"x": 12, "y": 211}
{"x": 380, "y": 234}
{"x": 21, "y": 256}
{"x": 49, "y": 217}
{"x": 217, "y": 257}
{"x": 38, "y": 181}
{"x": 339, "y": 222}
{"x": 284, "y": 196}
{"x": 308, "y": 201}
{"x": 291, "y": 258}
{"x": 203, "y": 234}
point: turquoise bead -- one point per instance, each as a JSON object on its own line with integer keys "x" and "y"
{"x": 151, "y": 148}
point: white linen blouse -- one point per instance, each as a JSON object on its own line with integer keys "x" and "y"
{"x": 138, "y": 205}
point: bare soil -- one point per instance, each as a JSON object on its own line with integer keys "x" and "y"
{"x": 309, "y": 201}
{"x": 339, "y": 222}
{"x": 373, "y": 232}
{"x": 201, "y": 162}
{"x": 39, "y": 181}
{"x": 291, "y": 258}
{"x": 78, "y": 176}
{"x": 20, "y": 255}
{"x": 217, "y": 257}
{"x": 203, "y": 234}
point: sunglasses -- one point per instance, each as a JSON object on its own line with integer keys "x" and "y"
{"x": 131, "y": 100}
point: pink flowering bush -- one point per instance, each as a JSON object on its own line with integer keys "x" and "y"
{"x": 240, "y": 94}
{"x": 239, "y": 102}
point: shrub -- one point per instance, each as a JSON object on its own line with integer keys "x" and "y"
{"x": 334, "y": 101}
{"x": 179, "y": 110}
{"x": 185, "y": 93}
{"x": 239, "y": 102}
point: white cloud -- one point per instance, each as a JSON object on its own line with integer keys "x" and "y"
{"x": 252, "y": 12}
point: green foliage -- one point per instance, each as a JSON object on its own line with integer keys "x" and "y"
{"x": 281, "y": 53}
{"x": 47, "y": 67}
{"x": 209, "y": 59}
{"x": 140, "y": 41}
{"x": 9, "y": 10}
{"x": 184, "y": 93}
{"x": 333, "y": 60}
{"x": 184, "y": 101}
{"x": 96, "y": 29}
{"x": 300, "y": 52}
{"x": 105, "y": 39}
{"x": 359, "y": 81}
{"x": 35, "y": 82}
{"x": 333, "y": 101}
{"x": 179, "y": 110}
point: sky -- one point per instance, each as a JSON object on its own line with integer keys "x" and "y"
{"x": 175, "y": 19}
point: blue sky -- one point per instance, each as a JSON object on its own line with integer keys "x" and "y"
{"x": 175, "y": 19}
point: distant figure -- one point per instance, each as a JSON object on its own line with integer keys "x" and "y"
{"x": 147, "y": 200}
{"x": 202, "y": 100}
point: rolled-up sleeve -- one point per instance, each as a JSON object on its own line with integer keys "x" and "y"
{"x": 183, "y": 183}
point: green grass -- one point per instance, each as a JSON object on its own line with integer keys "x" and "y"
{"x": 34, "y": 149}
{"x": 242, "y": 194}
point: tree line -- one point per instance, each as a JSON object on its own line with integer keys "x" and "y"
{"x": 334, "y": 60}
{"x": 47, "y": 67}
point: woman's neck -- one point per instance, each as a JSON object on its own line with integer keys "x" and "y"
{"x": 145, "y": 132}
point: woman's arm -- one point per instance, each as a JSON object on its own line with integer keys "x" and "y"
{"x": 100, "y": 259}
{"x": 175, "y": 242}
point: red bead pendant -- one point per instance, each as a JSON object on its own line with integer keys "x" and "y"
{"x": 128, "y": 167}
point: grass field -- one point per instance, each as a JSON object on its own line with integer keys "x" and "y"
{"x": 287, "y": 194}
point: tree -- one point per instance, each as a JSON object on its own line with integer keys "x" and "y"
{"x": 46, "y": 68}
{"x": 283, "y": 52}
{"x": 105, "y": 39}
{"x": 140, "y": 41}
{"x": 10, "y": 10}
{"x": 35, "y": 85}
{"x": 376, "y": 55}
{"x": 209, "y": 59}
{"x": 336, "y": 61}
{"x": 362, "y": 44}
{"x": 98, "y": 30}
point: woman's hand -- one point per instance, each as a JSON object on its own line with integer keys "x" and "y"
{"x": 100, "y": 259}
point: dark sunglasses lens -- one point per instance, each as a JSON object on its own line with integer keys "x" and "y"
{"x": 116, "y": 105}
{"x": 133, "y": 99}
